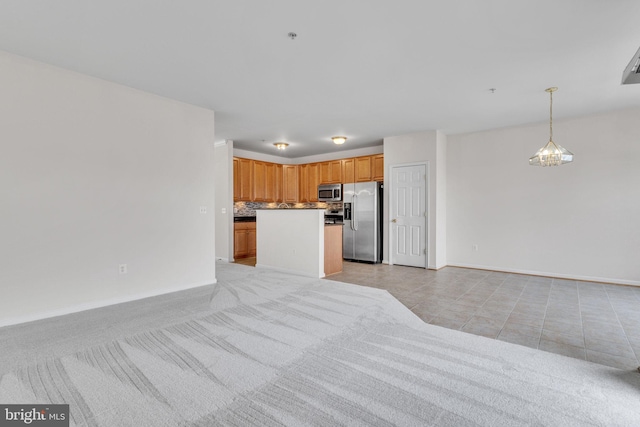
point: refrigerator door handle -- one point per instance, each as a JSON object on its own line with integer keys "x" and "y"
{"x": 355, "y": 213}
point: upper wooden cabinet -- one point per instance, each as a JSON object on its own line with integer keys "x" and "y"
{"x": 289, "y": 183}
{"x": 363, "y": 169}
{"x": 242, "y": 179}
{"x": 313, "y": 180}
{"x": 259, "y": 181}
{"x": 378, "y": 167}
{"x": 278, "y": 193}
{"x": 255, "y": 180}
{"x": 348, "y": 171}
{"x": 270, "y": 182}
{"x": 303, "y": 180}
{"x": 308, "y": 181}
{"x": 331, "y": 172}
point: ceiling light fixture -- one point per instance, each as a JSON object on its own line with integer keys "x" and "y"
{"x": 339, "y": 140}
{"x": 281, "y": 145}
{"x": 551, "y": 154}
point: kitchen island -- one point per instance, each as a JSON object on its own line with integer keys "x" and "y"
{"x": 293, "y": 240}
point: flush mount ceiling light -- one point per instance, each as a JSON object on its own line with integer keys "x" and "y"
{"x": 551, "y": 154}
{"x": 339, "y": 139}
{"x": 281, "y": 145}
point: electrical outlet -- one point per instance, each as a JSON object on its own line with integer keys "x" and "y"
{"x": 474, "y": 247}
{"x": 223, "y": 210}
{"x": 203, "y": 209}
{"x": 122, "y": 268}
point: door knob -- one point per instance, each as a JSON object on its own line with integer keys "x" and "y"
{"x": 394, "y": 220}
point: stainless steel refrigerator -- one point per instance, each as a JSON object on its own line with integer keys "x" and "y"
{"x": 362, "y": 229}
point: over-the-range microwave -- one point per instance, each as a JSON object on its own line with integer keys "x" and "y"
{"x": 330, "y": 193}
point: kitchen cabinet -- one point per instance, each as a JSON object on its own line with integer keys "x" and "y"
{"x": 308, "y": 179}
{"x": 259, "y": 179}
{"x": 252, "y": 240}
{"x": 377, "y": 163}
{"x": 332, "y": 249}
{"x": 290, "y": 183}
{"x": 330, "y": 172}
{"x": 313, "y": 180}
{"x": 278, "y": 183}
{"x": 270, "y": 182}
{"x": 363, "y": 169}
{"x": 244, "y": 240}
{"x": 348, "y": 168}
{"x": 242, "y": 179}
{"x": 303, "y": 183}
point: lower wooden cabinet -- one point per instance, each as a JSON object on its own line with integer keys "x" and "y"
{"x": 244, "y": 240}
{"x": 332, "y": 249}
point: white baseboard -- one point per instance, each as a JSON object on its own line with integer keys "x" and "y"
{"x": 548, "y": 274}
{"x": 98, "y": 304}
{"x": 222, "y": 259}
{"x": 286, "y": 270}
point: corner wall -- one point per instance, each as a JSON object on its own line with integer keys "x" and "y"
{"x": 224, "y": 200}
{"x": 578, "y": 220}
{"x": 94, "y": 175}
{"x": 429, "y": 147}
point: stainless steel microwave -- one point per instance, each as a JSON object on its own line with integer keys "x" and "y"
{"x": 330, "y": 193}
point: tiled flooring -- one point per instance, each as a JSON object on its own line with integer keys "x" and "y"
{"x": 593, "y": 321}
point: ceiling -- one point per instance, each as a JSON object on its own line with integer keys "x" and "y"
{"x": 365, "y": 69}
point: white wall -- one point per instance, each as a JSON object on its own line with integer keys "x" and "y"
{"x": 94, "y": 175}
{"x": 578, "y": 220}
{"x": 441, "y": 200}
{"x": 424, "y": 147}
{"x": 224, "y": 199}
{"x": 291, "y": 240}
{"x": 367, "y": 151}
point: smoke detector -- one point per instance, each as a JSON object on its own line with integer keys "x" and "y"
{"x": 631, "y": 74}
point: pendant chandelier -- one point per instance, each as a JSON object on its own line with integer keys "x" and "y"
{"x": 551, "y": 154}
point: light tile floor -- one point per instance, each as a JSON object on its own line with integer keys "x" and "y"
{"x": 593, "y": 321}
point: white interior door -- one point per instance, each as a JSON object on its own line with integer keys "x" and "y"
{"x": 409, "y": 215}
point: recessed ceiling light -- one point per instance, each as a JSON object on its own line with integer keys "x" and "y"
{"x": 339, "y": 139}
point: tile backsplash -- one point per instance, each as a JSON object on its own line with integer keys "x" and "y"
{"x": 249, "y": 208}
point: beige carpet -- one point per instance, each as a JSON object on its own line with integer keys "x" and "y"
{"x": 275, "y": 349}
